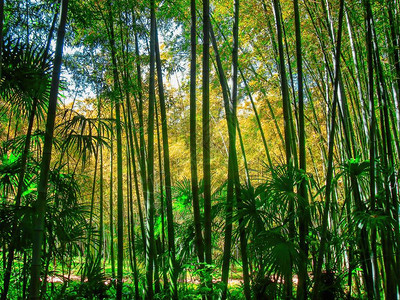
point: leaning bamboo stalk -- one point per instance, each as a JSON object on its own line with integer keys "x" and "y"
{"x": 45, "y": 165}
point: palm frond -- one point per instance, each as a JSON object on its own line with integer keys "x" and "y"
{"x": 281, "y": 254}
{"x": 372, "y": 219}
{"x": 26, "y": 78}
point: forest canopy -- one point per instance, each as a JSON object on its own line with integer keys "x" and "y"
{"x": 199, "y": 149}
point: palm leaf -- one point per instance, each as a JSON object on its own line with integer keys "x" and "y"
{"x": 372, "y": 219}
{"x": 25, "y": 77}
{"x": 281, "y": 254}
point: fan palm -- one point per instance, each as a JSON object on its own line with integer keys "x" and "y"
{"x": 9, "y": 170}
{"x": 281, "y": 186}
{"x": 25, "y": 78}
{"x": 264, "y": 213}
{"x": 80, "y": 136}
{"x": 281, "y": 254}
{"x": 25, "y": 89}
{"x": 185, "y": 232}
{"x": 182, "y": 207}
{"x": 65, "y": 216}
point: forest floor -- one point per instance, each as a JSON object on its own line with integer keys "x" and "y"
{"x": 193, "y": 280}
{"x": 61, "y": 279}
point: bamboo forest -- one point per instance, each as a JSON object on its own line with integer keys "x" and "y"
{"x": 199, "y": 149}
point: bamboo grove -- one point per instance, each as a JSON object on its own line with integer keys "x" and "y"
{"x": 199, "y": 149}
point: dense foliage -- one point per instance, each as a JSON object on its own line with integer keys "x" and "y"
{"x": 199, "y": 149}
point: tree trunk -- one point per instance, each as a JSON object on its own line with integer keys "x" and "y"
{"x": 40, "y": 205}
{"x": 167, "y": 170}
{"x": 111, "y": 198}
{"x": 302, "y": 191}
{"x": 193, "y": 136}
{"x": 206, "y": 133}
{"x": 150, "y": 160}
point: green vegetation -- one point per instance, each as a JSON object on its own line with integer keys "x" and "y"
{"x": 199, "y": 149}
